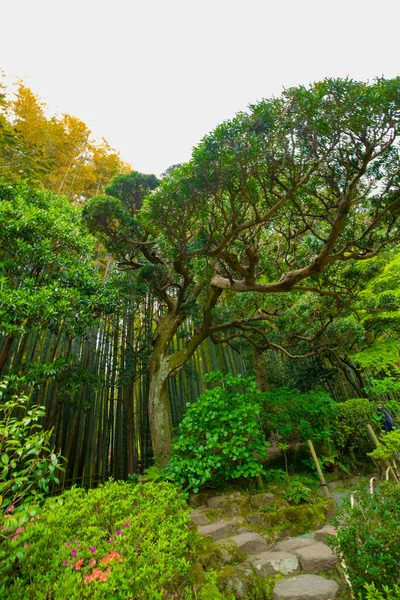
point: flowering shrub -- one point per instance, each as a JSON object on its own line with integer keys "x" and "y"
{"x": 117, "y": 541}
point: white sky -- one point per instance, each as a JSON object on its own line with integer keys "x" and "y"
{"x": 154, "y": 76}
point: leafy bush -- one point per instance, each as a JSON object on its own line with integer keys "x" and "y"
{"x": 297, "y": 416}
{"x": 389, "y": 446}
{"x": 298, "y": 493}
{"x": 220, "y": 437}
{"x": 352, "y": 417}
{"x": 117, "y": 541}
{"x": 27, "y": 464}
{"x": 368, "y": 536}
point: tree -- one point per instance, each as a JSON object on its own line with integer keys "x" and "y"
{"x": 47, "y": 277}
{"x": 275, "y": 201}
{"x": 57, "y": 153}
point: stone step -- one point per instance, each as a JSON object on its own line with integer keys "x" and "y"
{"x": 199, "y": 518}
{"x": 260, "y": 500}
{"x": 217, "y": 531}
{"x": 321, "y": 533}
{"x": 268, "y": 564}
{"x": 305, "y": 587}
{"x": 293, "y": 544}
{"x": 316, "y": 558}
{"x": 250, "y": 543}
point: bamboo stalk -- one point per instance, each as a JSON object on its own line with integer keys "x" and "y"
{"x": 321, "y": 475}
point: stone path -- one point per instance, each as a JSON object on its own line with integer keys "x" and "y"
{"x": 248, "y": 555}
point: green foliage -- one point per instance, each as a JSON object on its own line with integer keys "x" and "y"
{"x": 46, "y": 271}
{"x": 368, "y": 536}
{"x": 379, "y": 308}
{"x": 117, "y": 541}
{"x": 386, "y": 392}
{"x": 381, "y": 357}
{"x": 298, "y": 493}
{"x": 377, "y": 389}
{"x": 131, "y": 188}
{"x": 220, "y": 437}
{"x": 298, "y": 416}
{"x": 385, "y": 594}
{"x": 352, "y": 418}
{"x": 389, "y": 446}
{"x": 27, "y": 464}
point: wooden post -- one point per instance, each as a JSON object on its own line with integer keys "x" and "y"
{"x": 372, "y": 434}
{"x": 321, "y": 475}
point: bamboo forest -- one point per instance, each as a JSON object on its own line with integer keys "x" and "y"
{"x": 200, "y": 372}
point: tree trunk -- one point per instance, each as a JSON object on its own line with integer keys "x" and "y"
{"x": 159, "y": 409}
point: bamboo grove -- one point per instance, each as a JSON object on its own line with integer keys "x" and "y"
{"x": 95, "y": 392}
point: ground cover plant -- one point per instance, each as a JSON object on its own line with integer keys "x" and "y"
{"x": 117, "y": 541}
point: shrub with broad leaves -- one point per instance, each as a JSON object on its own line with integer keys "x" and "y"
{"x": 220, "y": 437}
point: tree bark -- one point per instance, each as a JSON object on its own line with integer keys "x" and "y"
{"x": 159, "y": 408}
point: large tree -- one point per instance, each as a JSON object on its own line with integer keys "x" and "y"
{"x": 274, "y": 202}
{"x": 47, "y": 275}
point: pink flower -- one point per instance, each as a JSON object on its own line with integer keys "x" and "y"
{"x": 113, "y": 556}
{"x": 11, "y": 508}
{"x": 38, "y": 517}
{"x": 19, "y": 530}
{"x": 92, "y": 549}
{"x": 65, "y": 563}
{"x": 92, "y": 562}
{"x": 127, "y": 524}
{"x": 15, "y": 537}
{"x": 26, "y": 545}
{"x": 109, "y": 541}
{"x": 118, "y": 533}
{"x": 97, "y": 574}
{"x": 68, "y": 543}
{"x": 74, "y": 553}
{"x": 30, "y": 524}
{"x": 79, "y": 564}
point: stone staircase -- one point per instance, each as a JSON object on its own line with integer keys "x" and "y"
{"x": 243, "y": 555}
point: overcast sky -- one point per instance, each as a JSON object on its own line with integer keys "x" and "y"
{"x": 154, "y": 76}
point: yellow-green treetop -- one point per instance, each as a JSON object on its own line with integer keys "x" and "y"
{"x": 57, "y": 152}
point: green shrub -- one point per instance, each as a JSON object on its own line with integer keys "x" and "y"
{"x": 352, "y": 418}
{"x": 220, "y": 437}
{"x": 298, "y": 493}
{"x": 389, "y": 446}
{"x": 27, "y": 464}
{"x": 368, "y": 536}
{"x": 117, "y": 541}
{"x": 297, "y": 416}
